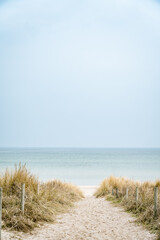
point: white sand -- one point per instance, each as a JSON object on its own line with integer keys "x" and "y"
{"x": 91, "y": 219}
{"x": 88, "y": 191}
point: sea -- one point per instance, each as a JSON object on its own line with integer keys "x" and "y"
{"x": 84, "y": 166}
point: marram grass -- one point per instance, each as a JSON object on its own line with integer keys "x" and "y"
{"x": 143, "y": 209}
{"x": 54, "y": 197}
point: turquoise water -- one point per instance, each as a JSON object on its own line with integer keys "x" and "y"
{"x": 84, "y": 166}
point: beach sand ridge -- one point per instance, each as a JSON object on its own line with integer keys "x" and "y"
{"x": 91, "y": 219}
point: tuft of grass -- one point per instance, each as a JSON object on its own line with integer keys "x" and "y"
{"x": 144, "y": 209}
{"x": 54, "y": 197}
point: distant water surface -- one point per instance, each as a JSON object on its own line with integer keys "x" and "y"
{"x": 84, "y": 166}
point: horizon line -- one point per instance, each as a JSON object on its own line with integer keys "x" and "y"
{"x": 82, "y": 147}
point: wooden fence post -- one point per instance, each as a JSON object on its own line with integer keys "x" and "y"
{"x": 155, "y": 200}
{"x": 112, "y": 191}
{"x": 0, "y": 212}
{"x": 137, "y": 195}
{"x": 117, "y": 192}
{"x": 126, "y": 193}
{"x": 22, "y": 197}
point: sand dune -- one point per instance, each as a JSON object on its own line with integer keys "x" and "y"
{"x": 91, "y": 219}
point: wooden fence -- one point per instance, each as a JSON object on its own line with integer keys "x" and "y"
{"x": 137, "y": 197}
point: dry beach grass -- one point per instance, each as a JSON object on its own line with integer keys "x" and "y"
{"x": 143, "y": 209}
{"x": 54, "y": 197}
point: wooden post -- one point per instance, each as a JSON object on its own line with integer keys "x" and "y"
{"x": 116, "y": 192}
{"x": 22, "y": 197}
{"x": 0, "y": 212}
{"x": 155, "y": 201}
{"x": 112, "y": 191}
{"x": 137, "y": 195}
{"x": 126, "y": 193}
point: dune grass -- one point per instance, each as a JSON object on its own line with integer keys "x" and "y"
{"x": 144, "y": 209}
{"x": 54, "y": 197}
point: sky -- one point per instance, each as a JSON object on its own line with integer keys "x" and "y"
{"x": 80, "y": 73}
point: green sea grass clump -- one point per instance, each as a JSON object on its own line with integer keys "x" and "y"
{"x": 41, "y": 205}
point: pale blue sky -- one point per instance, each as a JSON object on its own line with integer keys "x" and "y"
{"x": 80, "y": 73}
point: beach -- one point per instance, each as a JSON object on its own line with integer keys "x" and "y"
{"x": 90, "y": 219}
{"x": 79, "y": 124}
{"x": 59, "y": 210}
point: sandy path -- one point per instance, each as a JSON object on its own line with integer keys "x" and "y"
{"x": 91, "y": 219}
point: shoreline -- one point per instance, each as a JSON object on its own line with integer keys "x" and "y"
{"x": 87, "y": 190}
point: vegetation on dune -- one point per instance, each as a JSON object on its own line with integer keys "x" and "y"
{"x": 143, "y": 209}
{"x": 54, "y": 197}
